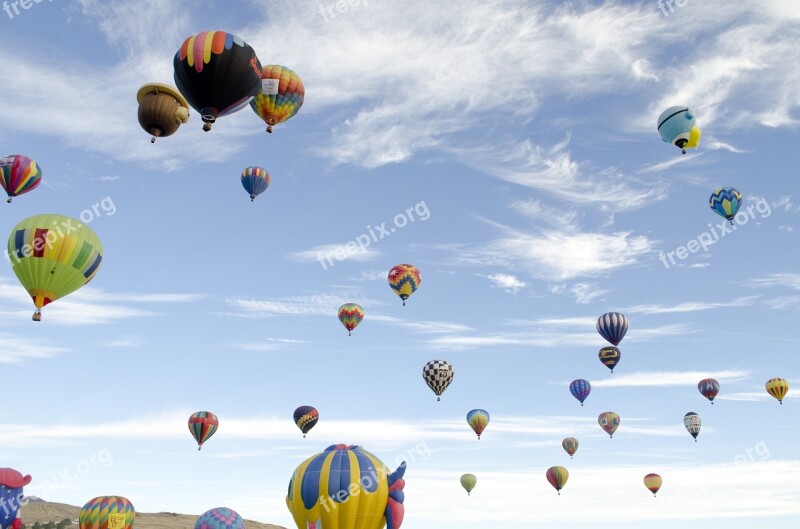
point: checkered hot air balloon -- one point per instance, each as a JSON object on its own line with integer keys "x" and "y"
{"x": 202, "y": 425}
{"x": 725, "y": 202}
{"x": 438, "y": 374}
{"x": 404, "y": 280}
{"x": 612, "y": 326}
{"x": 350, "y": 314}
{"x": 580, "y": 389}
{"x": 709, "y": 388}
{"x": 107, "y": 512}
{"x": 220, "y": 518}
{"x": 691, "y": 421}
{"x": 18, "y": 175}
{"x": 306, "y": 417}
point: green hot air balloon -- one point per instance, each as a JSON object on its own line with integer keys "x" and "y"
{"x": 468, "y": 481}
{"x": 53, "y": 256}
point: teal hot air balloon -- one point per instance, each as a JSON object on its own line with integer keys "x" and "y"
{"x": 725, "y": 202}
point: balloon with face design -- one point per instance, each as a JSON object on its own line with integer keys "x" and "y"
{"x": 11, "y": 484}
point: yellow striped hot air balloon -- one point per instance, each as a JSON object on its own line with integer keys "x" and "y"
{"x": 107, "y": 512}
{"x": 557, "y": 476}
{"x": 53, "y": 256}
{"x": 778, "y": 388}
{"x": 653, "y": 483}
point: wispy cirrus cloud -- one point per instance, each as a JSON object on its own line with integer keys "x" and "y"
{"x": 669, "y": 378}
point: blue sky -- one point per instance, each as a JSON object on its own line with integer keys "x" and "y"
{"x": 524, "y": 134}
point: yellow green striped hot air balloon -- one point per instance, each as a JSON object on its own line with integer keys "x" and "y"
{"x": 350, "y": 314}
{"x": 53, "y": 256}
{"x": 107, "y": 512}
{"x": 468, "y": 481}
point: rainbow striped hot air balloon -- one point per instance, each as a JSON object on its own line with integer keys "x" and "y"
{"x": 220, "y": 518}
{"x": 778, "y": 388}
{"x": 18, "y": 175}
{"x": 107, "y": 512}
{"x": 306, "y": 417}
{"x": 255, "y": 180}
{"x": 202, "y": 425}
{"x": 281, "y": 95}
{"x": 346, "y": 486}
{"x": 53, "y": 256}
{"x": 557, "y": 476}
{"x": 350, "y": 314}
{"x": 478, "y": 420}
{"x": 653, "y": 483}
{"x": 404, "y": 280}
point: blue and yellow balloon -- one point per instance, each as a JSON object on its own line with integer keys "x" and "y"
{"x": 725, "y": 202}
{"x": 677, "y": 126}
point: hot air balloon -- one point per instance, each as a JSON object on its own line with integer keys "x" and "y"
{"x": 18, "y": 175}
{"x": 162, "y": 110}
{"x": 653, "y": 483}
{"x": 612, "y": 326}
{"x": 609, "y": 421}
{"x": 107, "y": 512}
{"x": 255, "y": 181}
{"x": 478, "y": 420}
{"x": 692, "y": 423}
{"x": 350, "y": 314}
{"x": 53, "y": 256}
{"x": 404, "y": 280}
{"x": 218, "y": 73}
{"x": 570, "y": 445}
{"x": 580, "y": 389}
{"x": 203, "y": 424}
{"x": 280, "y": 96}
{"x": 468, "y": 481}
{"x": 678, "y": 127}
{"x": 709, "y": 388}
{"x": 321, "y": 488}
{"x": 11, "y": 491}
{"x": 725, "y": 202}
{"x": 778, "y": 388}
{"x": 306, "y": 417}
{"x": 557, "y": 476}
{"x": 438, "y": 374}
{"x": 610, "y": 357}
{"x": 220, "y": 518}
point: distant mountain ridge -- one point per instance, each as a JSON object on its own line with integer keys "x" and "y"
{"x": 39, "y": 510}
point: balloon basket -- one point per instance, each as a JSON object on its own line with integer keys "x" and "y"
{"x": 9, "y": 200}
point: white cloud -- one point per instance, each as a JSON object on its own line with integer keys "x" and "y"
{"x": 507, "y": 282}
{"x": 669, "y": 378}
{"x": 329, "y": 254}
{"x": 690, "y": 306}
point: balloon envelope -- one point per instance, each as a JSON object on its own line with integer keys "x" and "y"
{"x": 677, "y": 125}
{"x": 218, "y": 73}
{"x": 351, "y": 314}
{"x": 725, "y": 202}
{"x": 610, "y": 357}
{"x": 709, "y": 388}
{"x": 438, "y": 375}
{"x": 19, "y": 174}
{"x": 557, "y": 476}
{"x": 612, "y": 326}
{"x": 306, "y": 417}
{"x": 280, "y": 95}
{"x": 468, "y": 481}
{"x": 691, "y": 421}
{"x": 652, "y": 482}
{"x": 570, "y": 446}
{"x": 107, "y": 512}
{"x": 404, "y": 280}
{"x": 255, "y": 180}
{"x": 609, "y": 421}
{"x": 580, "y": 389}
{"x": 321, "y": 488}
{"x": 778, "y": 388}
{"x": 53, "y": 256}
{"x": 202, "y": 425}
{"x": 478, "y": 420}
{"x": 220, "y": 518}
{"x": 162, "y": 110}
{"x": 12, "y": 483}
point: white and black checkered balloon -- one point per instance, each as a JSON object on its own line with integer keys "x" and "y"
{"x": 438, "y": 374}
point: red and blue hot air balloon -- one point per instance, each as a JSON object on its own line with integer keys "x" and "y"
{"x": 709, "y": 388}
{"x": 11, "y": 485}
{"x": 580, "y": 389}
{"x": 218, "y": 73}
{"x": 612, "y": 326}
{"x": 202, "y": 425}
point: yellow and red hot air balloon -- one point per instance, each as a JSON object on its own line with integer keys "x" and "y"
{"x": 53, "y": 256}
{"x": 107, "y": 512}
{"x": 608, "y": 421}
{"x": 653, "y": 483}
{"x": 280, "y": 97}
{"x": 18, "y": 175}
{"x": 404, "y": 280}
{"x": 350, "y": 314}
{"x": 570, "y": 446}
{"x": 778, "y": 388}
{"x": 202, "y": 425}
{"x": 557, "y": 476}
{"x": 478, "y": 420}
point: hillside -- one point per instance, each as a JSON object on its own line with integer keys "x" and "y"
{"x": 43, "y": 512}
